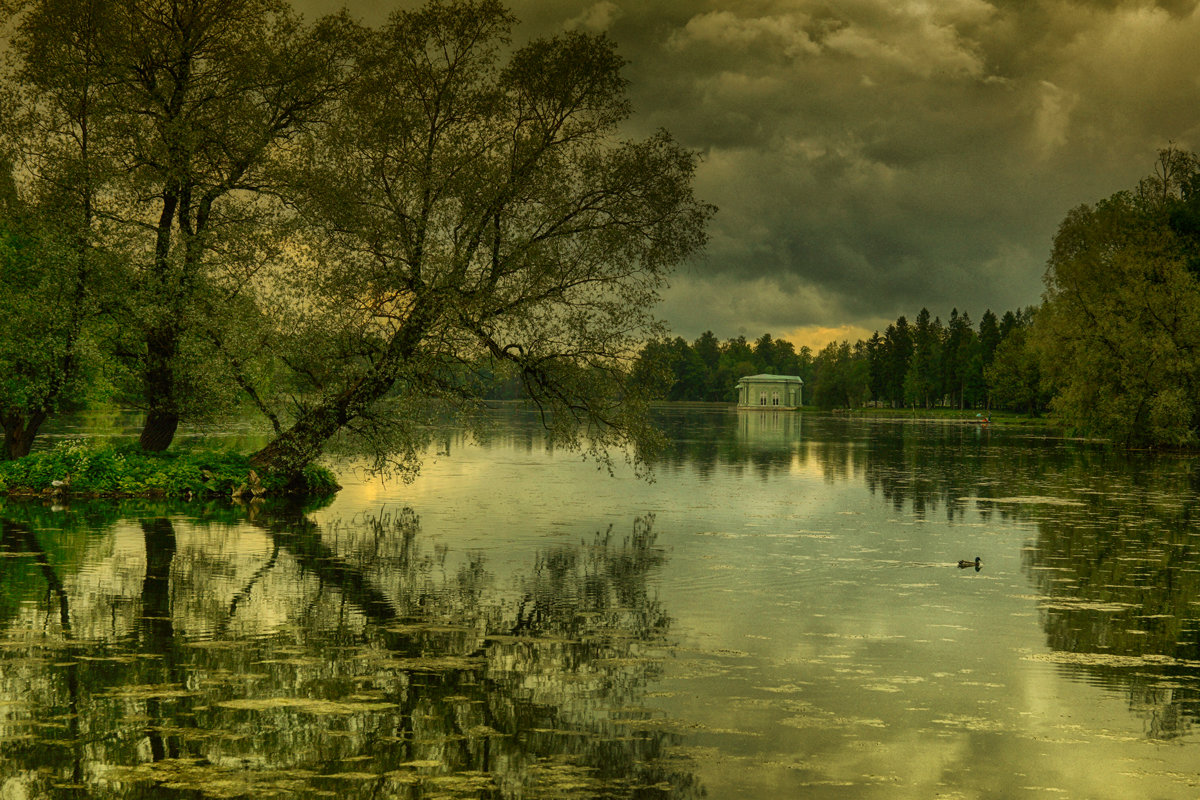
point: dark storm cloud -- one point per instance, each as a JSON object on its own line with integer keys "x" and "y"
{"x": 870, "y": 157}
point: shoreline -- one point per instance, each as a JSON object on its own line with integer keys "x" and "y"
{"x": 73, "y": 470}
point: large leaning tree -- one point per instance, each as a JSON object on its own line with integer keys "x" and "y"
{"x": 471, "y": 203}
{"x": 1119, "y": 330}
{"x": 166, "y": 120}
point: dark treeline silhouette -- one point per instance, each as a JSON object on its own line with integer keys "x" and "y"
{"x": 708, "y": 369}
{"x": 921, "y": 364}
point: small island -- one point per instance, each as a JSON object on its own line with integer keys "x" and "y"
{"x": 76, "y": 469}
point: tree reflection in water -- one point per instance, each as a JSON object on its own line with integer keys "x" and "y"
{"x": 266, "y": 655}
{"x": 1116, "y": 553}
{"x": 1119, "y": 572}
{"x": 1116, "y": 558}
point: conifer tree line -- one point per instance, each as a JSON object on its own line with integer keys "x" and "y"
{"x": 1112, "y": 351}
{"x": 927, "y": 363}
{"x": 923, "y": 364}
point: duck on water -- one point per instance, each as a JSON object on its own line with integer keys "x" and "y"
{"x": 963, "y": 564}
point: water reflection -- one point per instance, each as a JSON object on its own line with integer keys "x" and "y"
{"x": 181, "y": 655}
{"x": 1115, "y": 559}
{"x": 780, "y": 614}
{"x": 1118, "y": 566}
{"x": 705, "y": 439}
{"x": 780, "y": 429}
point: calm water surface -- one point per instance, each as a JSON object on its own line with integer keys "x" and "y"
{"x": 779, "y": 614}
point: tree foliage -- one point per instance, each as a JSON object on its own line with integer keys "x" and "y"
{"x": 49, "y": 351}
{"x": 923, "y": 365}
{"x": 345, "y": 227}
{"x": 842, "y": 376}
{"x": 709, "y": 369}
{"x": 1014, "y": 376}
{"x": 458, "y": 204}
{"x": 158, "y": 125}
{"x": 1119, "y": 331}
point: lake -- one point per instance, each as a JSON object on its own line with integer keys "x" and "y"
{"x": 778, "y": 614}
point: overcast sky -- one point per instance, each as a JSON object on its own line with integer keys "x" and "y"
{"x": 870, "y": 157}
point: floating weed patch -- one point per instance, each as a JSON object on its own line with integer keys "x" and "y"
{"x": 206, "y": 779}
{"x": 1110, "y": 660}
{"x": 786, "y": 704}
{"x": 188, "y": 734}
{"x": 629, "y": 661}
{"x": 1068, "y": 604}
{"x": 679, "y": 727}
{"x": 970, "y": 723}
{"x": 1031, "y": 499}
{"x": 417, "y": 627}
{"x": 214, "y": 644}
{"x": 788, "y": 688}
{"x": 563, "y": 778}
{"x": 431, "y": 664}
{"x": 828, "y": 721}
{"x": 164, "y": 691}
{"x": 459, "y": 785}
{"x": 293, "y": 661}
{"x": 305, "y": 705}
{"x": 561, "y": 732}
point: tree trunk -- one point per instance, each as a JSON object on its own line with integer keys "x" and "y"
{"x": 19, "y": 433}
{"x": 158, "y": 381}
{"x": 158, "y": 431}
{"x": 301, "y": 444}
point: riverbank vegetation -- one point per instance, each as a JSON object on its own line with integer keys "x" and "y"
{"x": 926, "y": 365}
{"x": 1113, "y": 350}
{"x": 219, "y": 205}
{"x": 1119, "y": 331}
{"x": 75, "y": 468}
{"x": 348, "y": 229}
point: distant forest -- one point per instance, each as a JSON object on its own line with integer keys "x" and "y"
{"x": 925, "y": 363}
{"x": 1113, "y": 350}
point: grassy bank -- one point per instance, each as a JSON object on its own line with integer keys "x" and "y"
{"x": 943, "y": 414}
{"x": 77, "y": 469}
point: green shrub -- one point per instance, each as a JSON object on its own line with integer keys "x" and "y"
{"x": 75, "y": 467}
